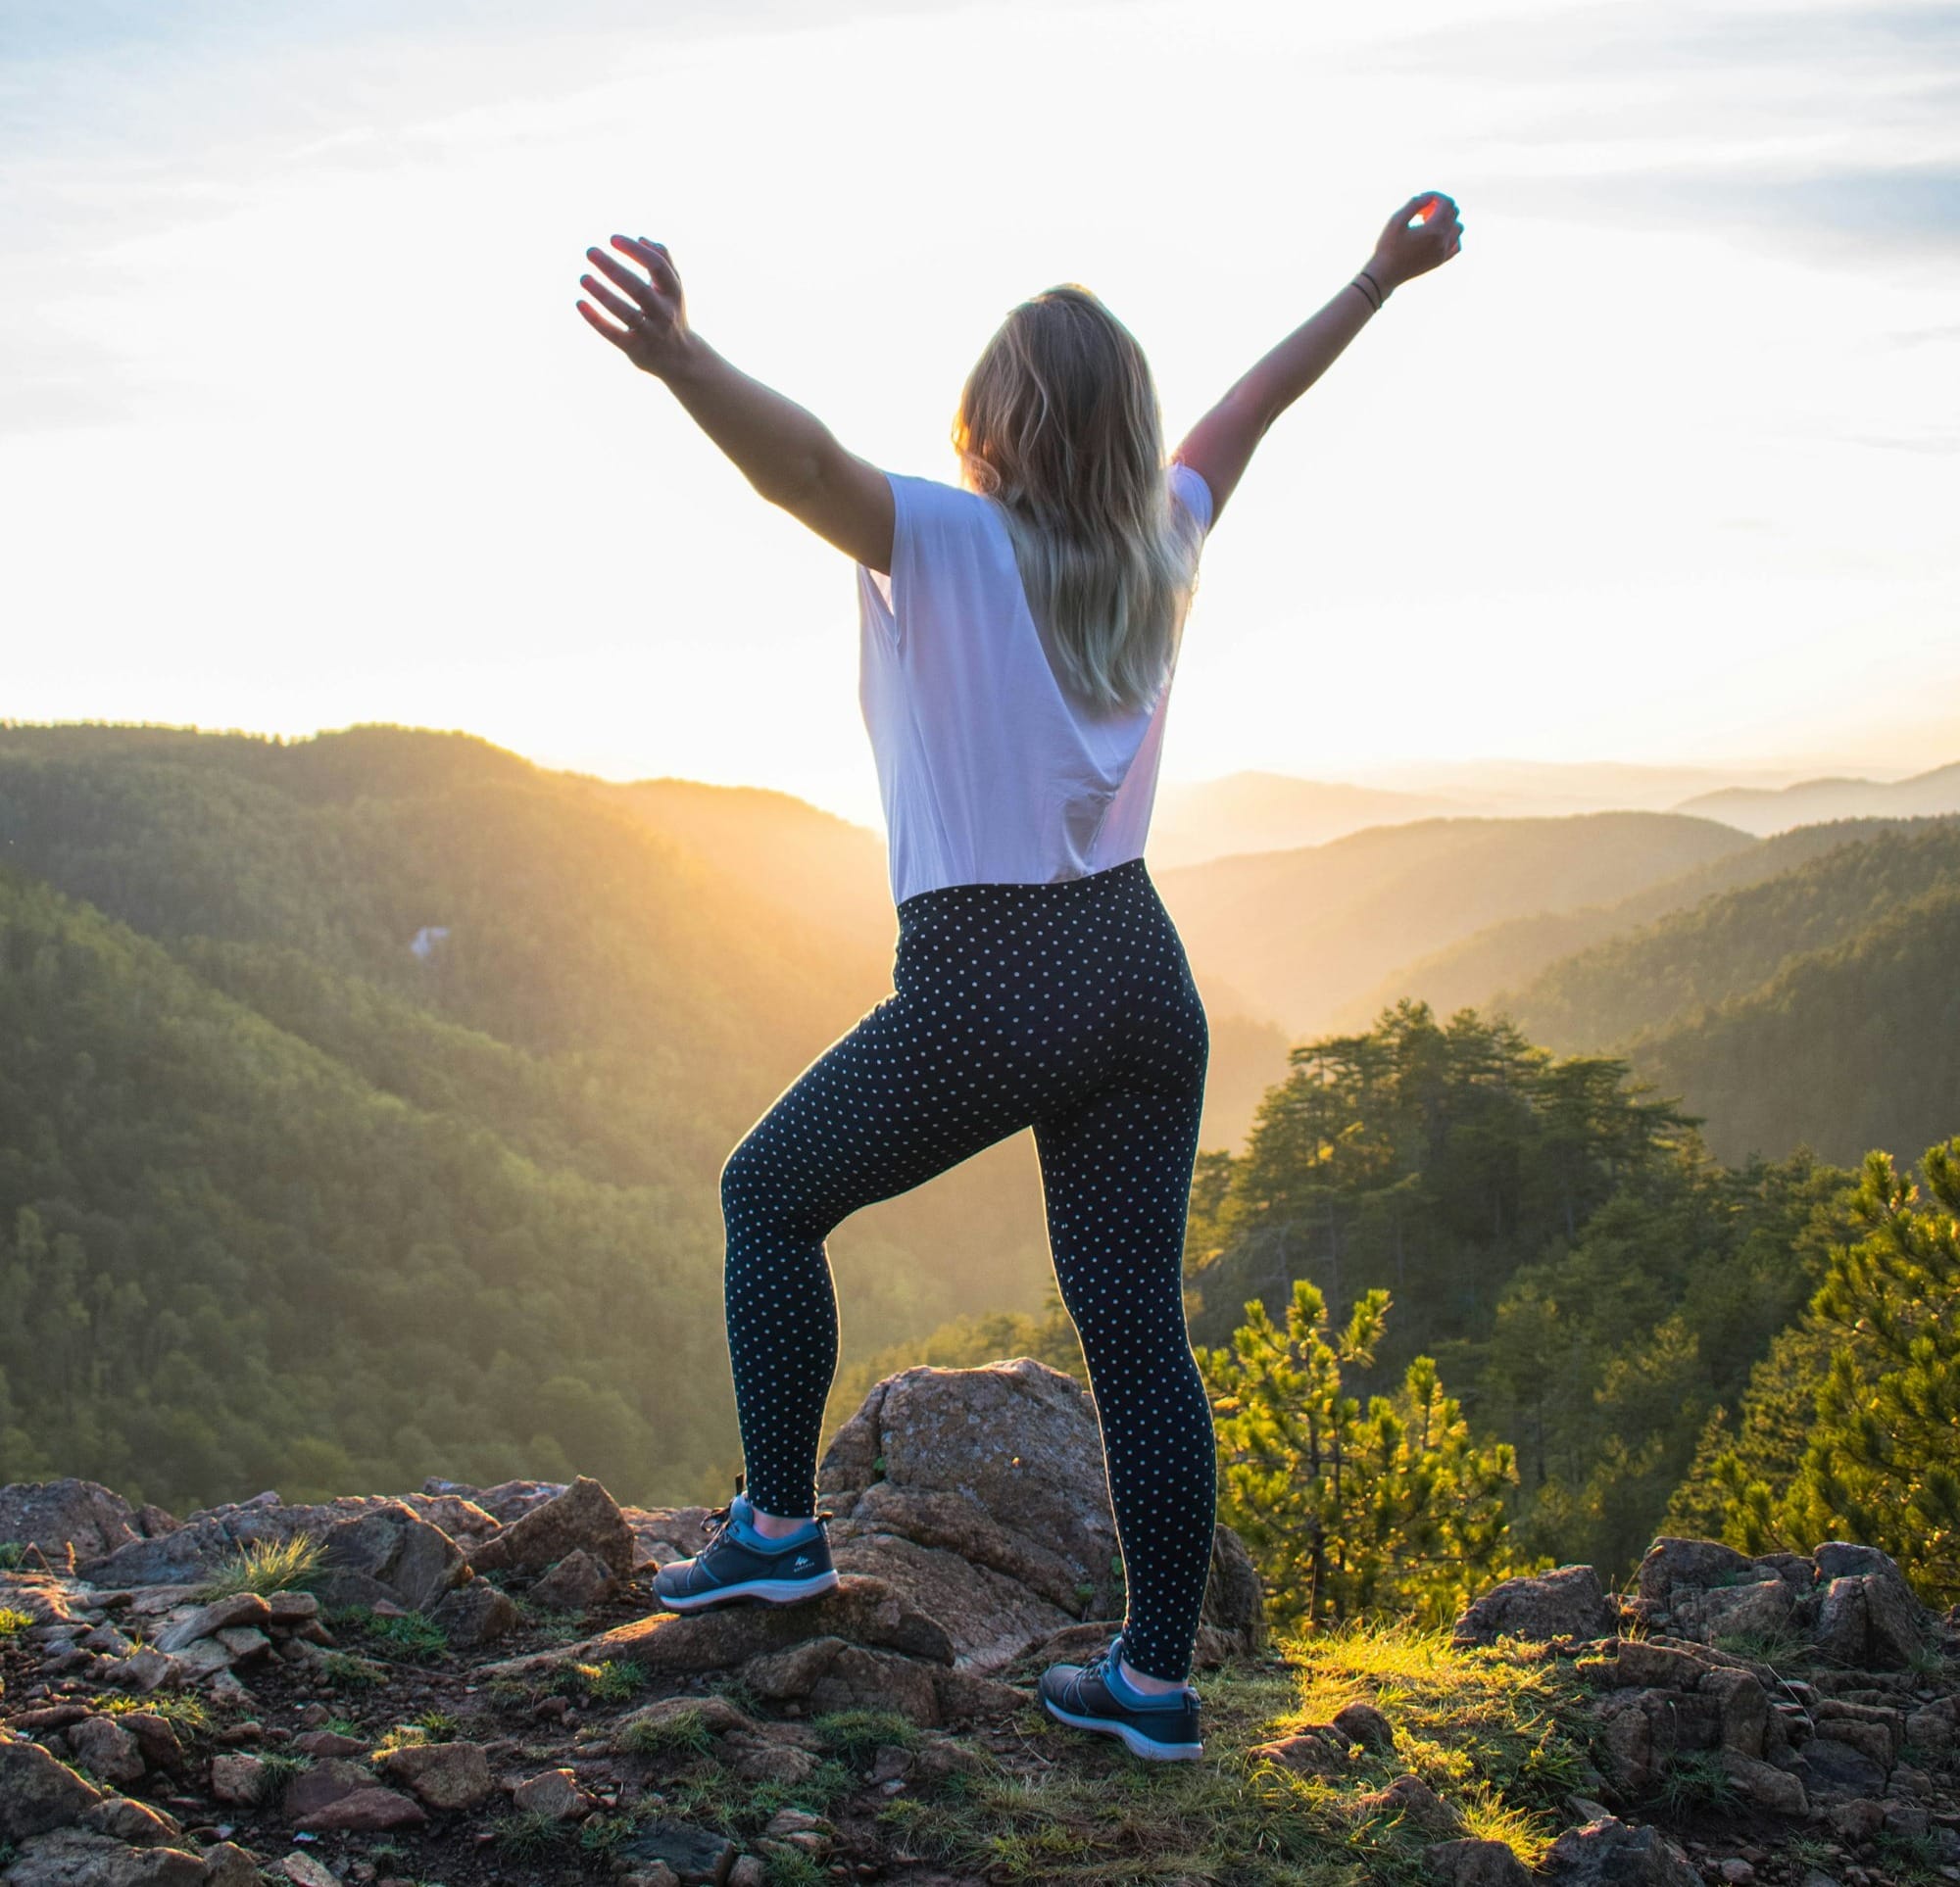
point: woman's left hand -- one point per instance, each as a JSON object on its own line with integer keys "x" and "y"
{"x": 652, "y": 312}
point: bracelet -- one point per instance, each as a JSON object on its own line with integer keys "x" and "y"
{"x": 1365, "y": 296}
{"x": 1377, "y": 287}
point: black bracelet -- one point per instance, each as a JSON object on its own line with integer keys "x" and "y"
{"x": 1377, "y": 288}
{"x": 1365, "y": 296}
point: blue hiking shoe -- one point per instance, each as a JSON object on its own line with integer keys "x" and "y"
{"x": 1097, "y": 1697}
{"x": 738, "y": 1565}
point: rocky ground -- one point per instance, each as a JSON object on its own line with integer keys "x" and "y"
{"x": 465, "y": 1685}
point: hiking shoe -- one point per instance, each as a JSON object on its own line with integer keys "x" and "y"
{"x": 738, "y": 1565}
{"x": 1096, "y": 1697}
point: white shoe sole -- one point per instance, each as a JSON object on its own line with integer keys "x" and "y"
{"x": 1133, "y": 1740}
{"x": 768, "y": 1591}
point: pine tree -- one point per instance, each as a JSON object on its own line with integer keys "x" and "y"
{"x": 1346, "y": 1510}
{"x": 1881, "y": 1462}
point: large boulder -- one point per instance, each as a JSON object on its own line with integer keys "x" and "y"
{"x": 983, "y": 1496}
{"x": 388, "y": 1552}
{"x": 1566, "y": 1603}
{"x": 73, "y": 1517}
{"x": 1609, "y": 1853}
{"x": 78, "y": 1857}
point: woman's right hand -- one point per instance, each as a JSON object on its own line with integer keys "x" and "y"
{"x": 1402, "y": 252}
{"x": 653, "y": 331}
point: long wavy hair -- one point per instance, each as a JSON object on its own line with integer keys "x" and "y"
{"x": 1059, "y": 423}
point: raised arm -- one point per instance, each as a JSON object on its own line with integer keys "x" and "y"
{"x": 1221, "y": 444}
{"x": 787, "y": 454}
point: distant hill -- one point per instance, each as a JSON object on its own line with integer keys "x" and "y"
{"x": 1507, "y": 955}
{"x": 1272, "y": 812}
{"x": 1301, "y": 933}
{"x": 1811, "y": 801}
{"x": 1732, "y": 943}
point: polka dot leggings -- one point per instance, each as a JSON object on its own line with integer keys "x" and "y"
{"x": 1068, "y": 1007}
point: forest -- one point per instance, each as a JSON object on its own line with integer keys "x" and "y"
{"x": 362, "y": 1100}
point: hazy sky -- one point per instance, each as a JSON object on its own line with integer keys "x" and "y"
{"x": 298, "y": 426}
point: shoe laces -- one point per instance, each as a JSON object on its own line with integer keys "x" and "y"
{"x": 722, "y": 1518}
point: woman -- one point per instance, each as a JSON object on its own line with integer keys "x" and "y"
{"x": 1018, "y": 635}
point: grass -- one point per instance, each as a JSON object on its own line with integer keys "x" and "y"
{"x": 278, "y": 1767}
{"x": 683, "y": 1733}
{"x": 1908, "y": 1858}
{"x": 344, "y": 1671}
{"x": 528, "y": 1835}
{"x": 1500, "y": 1738}
{"x": 181, "y": 1708}
{"x": 722, "y": 1801}
{"x": 856, "y": 1736}
{"x": 611, "y": 1682}
{"x": 13, "y": 1554}
{"x": 437, "y": 1725}
{"x": 796, "y": 1871}
{"x": 266, "y": 1566}
{"x": 13, "y": 1621}
{"x": 1781, "y": 1649}
{"x": 1696, "y": 1781}
{"x": 413, "y": 1637}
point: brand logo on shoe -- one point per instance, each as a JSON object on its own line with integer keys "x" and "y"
{"x": 801, "y": 1561}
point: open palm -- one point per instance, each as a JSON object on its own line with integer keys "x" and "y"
{"x": 652, "y": 309}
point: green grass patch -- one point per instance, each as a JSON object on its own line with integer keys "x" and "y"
{"x": 13, "y": 1555}
{"x": 611, "y": 1682}
{"x": 266, "y": 1566}
{"x": 681, "y": 1733}
{"x": 278, "y": 1767}
{"x": 13, "y": 1621}
{"x": 1695, "y": 1782}
{"x": 795, "y": 1870}
{"x": 856, "y": 1735}
{"x": 1500, "y": 1737}
{"x": 344, "y": 1671}
{"x": 182, "y": 1709}
{"x": 528, "y": 1835}
{"x": 743, "y": 1809}
{"x": 413, "y": 1637}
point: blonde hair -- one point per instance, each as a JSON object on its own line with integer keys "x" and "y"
{"x": 1059, "y": 423}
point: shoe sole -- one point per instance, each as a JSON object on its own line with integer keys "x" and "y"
{"x": 1134, "y": 1741}
{"x": 756, "y": 1591}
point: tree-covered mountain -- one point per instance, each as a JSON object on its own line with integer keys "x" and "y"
{"x": 1474, "y": 972}
{"x": 1301, "y": 933}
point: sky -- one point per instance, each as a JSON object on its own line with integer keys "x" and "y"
{"x": 298, "y": 426}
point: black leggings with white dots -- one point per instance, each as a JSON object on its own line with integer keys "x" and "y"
{"x": 1068, "y": 1007}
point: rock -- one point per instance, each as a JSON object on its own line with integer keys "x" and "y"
{"x": 237, "y": 1779}
{"x": 243, "y": 1642}
{"x": 694, "y": 1855}
{"x": 73, "y": 1522}
{"x": 1894, "y": 1623}
{"x": 1859, "y": 1819}
{"x": 1737, "y": 1871}
{"x": 74, "y": 1857}
{"x": 107, "y": 1750}
{"x": 1002, "y": 1466}
{"x": 585, "y": 1518}
{"x": 756, "y": 1758}
{"x": 302, "y": 1870}
{"x": 1474, "y": 1864}
{"x": 716, "y": 1716}
{"x": 749, "y": 1870}
{"x": 1743, "y": 1705}
{"x": 576, "y": 1583}
{"x": 368, "y": 1811}
{"x": 1672, "y": 1566}
{"x": 475, "y": 1615}
{"x": 507, "y": 1501}
{"x": 145, "y": 1671}
{"x": 134, "y": 1823}
{"x": 1609, "y": 1853}
{"x": 38, "y": 1793}
{"x": 227, "y": 1864}
{"x": 861, "y": 1611}
{"x": 1363, "y": 1723}
{"x": 155, "y": 1737}
{"x": 1566, "y": 1603}
{"x": 1306, "y": 1752}
{"x": 1235, "y": 1596}
{"x": 555, "y": 1793}
{"x": 317, "y": 1788}
{"x": 657, "y": 1874}
{"x": 1825, "y": 1764}
{"x": 1757, "y": 1609}
{"x": 291, "y": 1609}
{"x": 326, "y": 1742}
{"x": 1623, "y": 1741}
{"x": 391, "y": 1547}
{"x": 239, "y": 1609}
{"x": 1765, "y": 1785}
{"x": 967, "y": 1697}
{"x": 1655, "y": 1666}
{"x": 1409, "y": 1799}
{"x": 1872, "y": 1740}
{"x": 445, "y": 1776}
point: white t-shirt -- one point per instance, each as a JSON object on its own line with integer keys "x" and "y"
{"x": 992, "y": 771}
